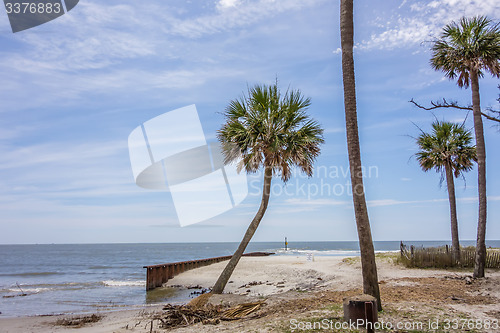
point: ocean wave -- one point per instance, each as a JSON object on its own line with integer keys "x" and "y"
{"x": 43, "y": 287}
{"x": 27, "y": 290}
{"x": 31, "y": 274}
{"x": 24, "y": 291}
{"x": 114, "y": 283}
{"x": 100, "y": 267}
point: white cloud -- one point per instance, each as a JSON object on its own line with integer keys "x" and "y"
{"x": 424, "y": 21}
{"x": 407, "y": 32}
{"x": 107, "y": 48}
{"x": 224, "y": 4}
{"x": 334, "y": 130}
{"x": 393, "y": 202}
{"x": 95, "y": 36}
{"x": 316, "y": 202}
{"x": 299, "y": 205}
{"x": 240, "y": 15}
{"x": 57, "y": 153}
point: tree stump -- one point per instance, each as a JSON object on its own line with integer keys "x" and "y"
{"x": 361, "y": 310}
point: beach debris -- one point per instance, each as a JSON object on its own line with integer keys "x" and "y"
{"x": 209, "y": 314}
{"x": 469, "y": 279}
{"x": 251, "y": 284}
{"x": 242, "y": 310}
{"x": 184, "y": 315}
{"x": 280, "y": 284}
{"x": 78, "y": 321}
{"x": 255, "y": 283}
{"x": 195, "y": 287}
{"x": 199, "y": 301}
{"x": 21, "y": 294}
{"x": 201, "y": 292}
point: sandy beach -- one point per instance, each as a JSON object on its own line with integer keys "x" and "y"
{"x": 295, "y": 288}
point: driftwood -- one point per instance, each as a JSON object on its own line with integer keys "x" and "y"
{"x": 185, "y": 315}
{"x": 181, "y": 315}
{"x": 21, "y": 294}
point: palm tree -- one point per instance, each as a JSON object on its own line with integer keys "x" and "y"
{"x": 368, "y": 265}
{"x": 448, "y": 150}
{"x": 272, "y": 131}
{"x": 465, "y": 51}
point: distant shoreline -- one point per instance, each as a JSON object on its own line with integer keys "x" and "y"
{"x": 275, "y": 278}
{"x": 471, "y": 241}
{"x": 82, "y": 278}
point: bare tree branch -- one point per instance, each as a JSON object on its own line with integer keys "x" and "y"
{"x": 443, "y": 104}
{"x": 497, "y": 118}
{"x": 454, "y": 105}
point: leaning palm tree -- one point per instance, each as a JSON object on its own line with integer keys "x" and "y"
{"x": 271, "y": 131}
{"x": 465, "y": 51}
{"x": 448, "y": 150}
{"x": 368, "y": 265}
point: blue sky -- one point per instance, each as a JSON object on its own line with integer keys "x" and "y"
{"x": 73, "y": 89}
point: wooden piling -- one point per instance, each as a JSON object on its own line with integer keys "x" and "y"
{"x": 157, "y": 275}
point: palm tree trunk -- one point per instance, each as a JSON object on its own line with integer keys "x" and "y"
{"x": 231, "y": 265}
{"x": 480, "y": 259}
{"x": 368, "y": 265}
{"x": 453, "y": 213}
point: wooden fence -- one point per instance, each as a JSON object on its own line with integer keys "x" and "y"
{"x": 442, "y": 257}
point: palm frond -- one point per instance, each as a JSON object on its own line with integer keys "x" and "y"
{"x": 447, "y": 144}
{"x": 266, "y": 128}
{"x": 470, "y": 44}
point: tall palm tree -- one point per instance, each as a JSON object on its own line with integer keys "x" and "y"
{"x": 368, "y": 265}
{"x": 448, "y": 150}
{"x": 271, "y": 131}
{"x": 464, "y": 51}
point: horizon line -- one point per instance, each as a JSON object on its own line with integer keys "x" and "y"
{"x": 237, "y": 242}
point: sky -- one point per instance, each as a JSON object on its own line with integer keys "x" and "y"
{"x": 73, "y": 89}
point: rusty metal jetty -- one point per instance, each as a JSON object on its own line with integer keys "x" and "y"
{"x": 157, "y": 275}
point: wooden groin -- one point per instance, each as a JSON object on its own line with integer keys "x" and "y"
{"x": 157, "y": 275}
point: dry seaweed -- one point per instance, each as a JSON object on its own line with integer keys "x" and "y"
{"x": 78, "y": 321}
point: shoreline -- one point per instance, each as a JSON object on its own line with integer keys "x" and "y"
{"x": 294, "y": 281}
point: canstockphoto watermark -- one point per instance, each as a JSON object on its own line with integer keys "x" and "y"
{"x": 328, "y": 324}
{"x": 170, "y": 152}
{"x": 430, "y": 325}
{"x": 326, "y": 181}
{"x": 26, "y": 14}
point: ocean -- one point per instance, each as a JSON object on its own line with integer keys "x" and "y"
{"x": 82, "y": 278}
